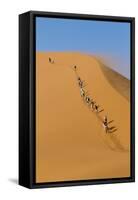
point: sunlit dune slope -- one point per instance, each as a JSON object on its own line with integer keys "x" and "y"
{"x": 70, "y": 141}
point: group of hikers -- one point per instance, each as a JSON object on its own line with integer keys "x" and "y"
{"x": 90, "y": 102}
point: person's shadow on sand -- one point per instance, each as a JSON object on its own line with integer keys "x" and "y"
{"x": 110, "y": 122}
{"x": 112, "y": 130}
{"x": 100, "y": 110}
{"x": 117, "y": 143}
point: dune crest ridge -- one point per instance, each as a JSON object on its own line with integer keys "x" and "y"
{"x": 118, "y": 81}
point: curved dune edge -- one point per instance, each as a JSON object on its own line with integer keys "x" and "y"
{"x": 70, "y": 141}
{"x": 119, "y": 82}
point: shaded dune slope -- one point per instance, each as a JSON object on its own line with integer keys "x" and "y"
{"x": 119, "y": 82}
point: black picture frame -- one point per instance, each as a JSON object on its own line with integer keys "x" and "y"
{"x": 27, "y": 99}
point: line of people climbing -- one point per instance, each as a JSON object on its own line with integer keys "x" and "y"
{"x": 90, "y": 102}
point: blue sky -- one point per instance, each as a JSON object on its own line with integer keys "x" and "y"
{"x": 109, "y": 40}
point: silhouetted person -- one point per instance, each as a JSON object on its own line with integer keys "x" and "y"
{"x": 79, "y": 79}
{"x": 96, "y": 108}
{"x": 82, "y": 92}
{"x": 49, "y": 59}
{"x": 80, "y": 82}
{"x": 88, "y": 99}
{"x": 92, "y": 104}
{"x": 105, "y": 124}
{"x": 105, "y": 119}
{"x": 75, "y": 67}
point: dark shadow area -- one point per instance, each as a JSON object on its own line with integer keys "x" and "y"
{"x": 110, "y": 122}
{"x": 112, "y": 131}
{"x": 111, "y": 128}
{"x": 117, "y": 81}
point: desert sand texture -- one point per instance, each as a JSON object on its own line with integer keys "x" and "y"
{"x": 71, "y": 143}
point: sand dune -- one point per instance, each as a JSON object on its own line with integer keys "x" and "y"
{"x": 119, "y": 82}
{"x": 70, "y": 141}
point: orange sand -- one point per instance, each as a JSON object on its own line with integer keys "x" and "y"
{"x": 70, "y": 141}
